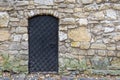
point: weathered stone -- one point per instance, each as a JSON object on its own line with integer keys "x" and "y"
{"x": 97, "y": 30}
{"x": 70, "y": 6}
{"x": 114, "y": 0}
{"x": 59, "y": 1}
{"x": 78, "y": 9}
{"x": 22, "y": 3}
{"x": 77, "y": 51}
{"x": 71, "y": 26}
{"x": 4, "y": 19}
{"x": 75, "y": 44}
{"x": 4, "y": 47}
{"x": 4, "y": 35}
{"x": 100, "y": 63}
{"x": 90, "y": 7}
{"x": 111, "y": 53}
{"x": 23, "y": 63}
{"x": 79, "y": 34}
{"x": 44, "y": 2}
{"x": 68, "y": 10}
{"x": 62, "y": 49}
{"x": 84, "y": 45}
{"x": 108, "y": 29}
{"x": 70, "y": 1}
{"x": 63, "y": 28}
{"x": 81, "y": 15}
{"x": 15, "y": 46}
{"x": 106, "y": 72}
{"x": 1, "y": 60}
{"x": 102, "y": 52}
{"x": 24, "y": 22}
{"x": 25, "y": 37}
{"x": 62, "y": 5}
{"x": 73, "y": 64}
{"x": 118, "y": 46}
{"x": 105, "y": 6}
{"x": 83, "y": 22}
{"x": 31, "y": 7}
{"x": 65, "y": 10}
{"x": 99, "y": 1}
{"x": 87, "y": 1}
{"x": 14, "y": 19}
{"x": 18, "y": 77}
{"x": 118, "y": 54}
{"x": 62, "y": 36}
{"x": 24, "y": 57}
{"x": 23, "y": 52}
{"x": 67, "y": 21}
{"x": 13, "y": 52}
{"x": 24, "y": 45}
{"x": 107, "y": 23}
{"x": 111, "y": 47}
{"x": 21, "y": 30}
{"x": 115, "y": 62}
{"x": 117, "y": 28}
{"x": 111, "y": 14}
{"x": 17, "y": 37}
{"x": 98, "y": 46}
{"x": 98, "y": 15}
{"x": 116, "y": 37}
{"x": 14, "y": 24}
{"x": 91, "y": 52}
{"x": 116, "y": 6}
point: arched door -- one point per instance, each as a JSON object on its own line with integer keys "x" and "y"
{"x": 43, "y": 44}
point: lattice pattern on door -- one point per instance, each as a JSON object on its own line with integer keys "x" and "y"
{"x": 43, "y": 44}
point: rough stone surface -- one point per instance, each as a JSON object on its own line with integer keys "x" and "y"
{"x": 23, "y": 22}
{"x": 116, "y": 6}
{"x": 99, "y": 1}
{"x": 100, "y": 63}
{"x": 62, "y": 36}
{"x": 15, "y": 46}
{"x": 25, "y": 37}
{"x": 87, "y": 1}
{"x": 70, "y": 1}
{"x": 118, "y": 46}
{"x": 111, "y": 47}
{"x": 111, "y": 14}
{"x": 21, "y": 30}
{"x": 84, "y": 45}
{"x": 4, "y": 19}
{"x": 68, "y": 21}
{"x": 99, "y": 15}
{"x": 107, "y": 29}
{"x": 75, "y": 44}
{"x": 83, "y": 22}
{"x": 116, "y": 37}
{"x": 24, "y": 45}
{"x": 79, "y": 34}
{"x": 4, "y": 35}
{"x": 45, "y": 2}
{"x": 17, "y": 38}
{"x": 89, "y": 37}
{"x": 98, "y": 46}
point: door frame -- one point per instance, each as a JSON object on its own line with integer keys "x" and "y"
{"x": 57, "y": 43}
{"x": 53, "y": 13}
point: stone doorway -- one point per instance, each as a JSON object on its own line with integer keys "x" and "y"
{"x": 43, "y": 44}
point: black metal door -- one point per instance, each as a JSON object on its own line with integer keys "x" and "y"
{"x": 43, "y": 44}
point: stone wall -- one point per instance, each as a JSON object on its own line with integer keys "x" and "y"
{"x": 89, "y": 34}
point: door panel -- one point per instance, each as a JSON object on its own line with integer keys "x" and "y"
{"x": 43, "y": 44}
